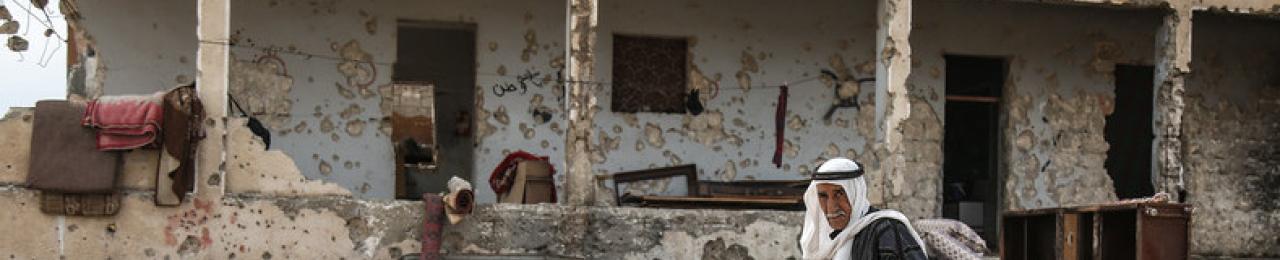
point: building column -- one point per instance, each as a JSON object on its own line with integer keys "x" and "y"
{"x": 581, "y": 99}
{"x": 1173, "y": 63}
{"x": 213, "y": 23}
{"x": 893, "y": 106}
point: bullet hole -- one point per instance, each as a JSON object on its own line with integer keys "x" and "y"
{"x": 395, "y": 252}
{"x": 541, "y": 115}
{"x": 189, "y": 246}
{"x": 266, "y": 255}
{"x": 214, "y": 179}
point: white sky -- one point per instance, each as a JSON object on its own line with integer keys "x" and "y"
{"x": 23, "y": 80}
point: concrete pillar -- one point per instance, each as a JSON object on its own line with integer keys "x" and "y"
{"x": 1173, "y": 63}
{"x": 581, "y": 101}
{"x": 893, "y": 106}
{"x": 213, "y": 61}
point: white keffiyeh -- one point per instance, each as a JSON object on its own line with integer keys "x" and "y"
{"x": 815, "y": 239}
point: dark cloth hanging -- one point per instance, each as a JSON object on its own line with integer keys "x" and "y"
{"x": 183, "y": 121}
{"x": 254, "y": 125}
{"x": 694, "y": 103}
{"x": 780, "y": 126}
{"x": 64, "y": 155}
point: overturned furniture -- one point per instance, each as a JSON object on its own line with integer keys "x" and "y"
{"x": 778, "y": 195}
{"x": 1145, "y": 230}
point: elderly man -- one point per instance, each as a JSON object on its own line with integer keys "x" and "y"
{"x": 839, "y": 222}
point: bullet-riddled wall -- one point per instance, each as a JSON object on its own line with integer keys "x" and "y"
{"x": 738, "y": 55}
{"x": 1057, "y": 93}
{"x": 327, "y": 61}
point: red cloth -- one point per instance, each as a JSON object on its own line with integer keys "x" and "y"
{"x": 125, "y": 122}
{"x": 503, "y": 176}
{"x": 780, "y": 126}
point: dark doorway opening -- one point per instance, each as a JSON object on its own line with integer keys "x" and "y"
{"x": 970, "y": 156}
{"x": 1130, "y": 133}
{"x": 442, "y": 57}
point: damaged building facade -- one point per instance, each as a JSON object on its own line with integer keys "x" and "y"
{"x": 1041, "y": 97}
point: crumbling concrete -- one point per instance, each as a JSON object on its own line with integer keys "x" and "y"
{"x": 1173, "y": 63}
{"x": 625, "y": 233}
{"x": 582, "y": 101}
{"x": 262, "y": 91}
{"x": 254, "y": 170}
{"x": 893, "y": 108}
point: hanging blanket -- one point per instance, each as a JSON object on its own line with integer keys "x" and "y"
{"x": 63, "y": 155}
{"x": 125, "y": 122}
{"x": 183, "y": 114}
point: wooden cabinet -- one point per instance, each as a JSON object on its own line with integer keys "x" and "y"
{"x": 1119, "y": 231}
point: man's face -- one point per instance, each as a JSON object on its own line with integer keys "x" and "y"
{"x": 835, "y": 204}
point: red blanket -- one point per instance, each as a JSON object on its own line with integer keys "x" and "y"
{"x": 125, "y": 122}
{"x": 502, "y": 177}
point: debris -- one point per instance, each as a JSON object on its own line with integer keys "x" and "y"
{"x": 39, "y": 4}
{"x": 10, "y": 27}
{"x": 4, "y": 13}
{"x": 17, "y": 44}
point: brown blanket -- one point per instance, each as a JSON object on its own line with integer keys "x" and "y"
{"x": 65, "y": 156}
{"x": 182, "y": 131}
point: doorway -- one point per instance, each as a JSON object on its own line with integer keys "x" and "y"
{"x": 441, "y": 57}
{"x": 1129, "y": 131}
{"x": 971, "y": 133}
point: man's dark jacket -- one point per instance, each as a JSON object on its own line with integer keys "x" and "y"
{"x": 886, "y": 238}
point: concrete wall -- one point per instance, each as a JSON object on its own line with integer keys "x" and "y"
{"x": 332, "y": 124}
{"x": 118, "y": 29}
{"x": 1058, "y": 91}
{"x": 1230, "y": 133}
{"x": 739, "y": 52}
{"x": 272, "y": 211}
